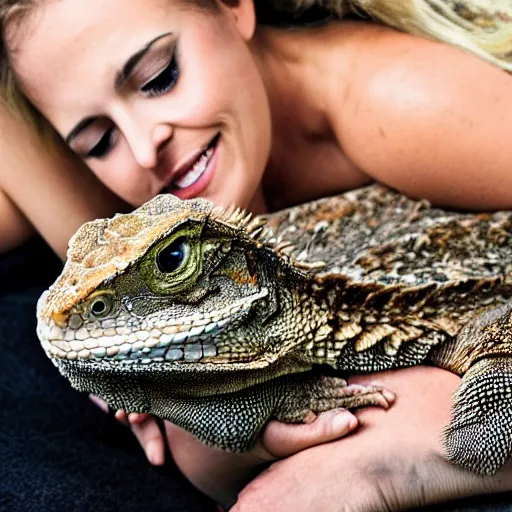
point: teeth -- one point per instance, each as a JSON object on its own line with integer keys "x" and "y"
{"x": 190, "y": 177}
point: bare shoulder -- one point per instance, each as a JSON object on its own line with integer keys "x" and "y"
{"x": 425, "y": 118}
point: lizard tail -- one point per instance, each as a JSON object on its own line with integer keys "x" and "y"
{"x": 479, "y": 436}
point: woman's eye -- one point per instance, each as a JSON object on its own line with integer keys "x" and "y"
{"x": 103, "y": 146}
{"x": 164, "y": 81}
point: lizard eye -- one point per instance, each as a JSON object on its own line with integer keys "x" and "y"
{"x": 173, "y": 264}
{"x": 172, "y": 257}
{"x": 100, "y": 306}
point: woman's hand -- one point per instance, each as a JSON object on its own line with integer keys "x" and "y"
{"x": 223, "y": 475}
{"x": 393, "y": 461}
{"x": 145, "y": 429}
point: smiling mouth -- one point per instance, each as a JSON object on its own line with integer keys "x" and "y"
{"x": 187, "y": 177}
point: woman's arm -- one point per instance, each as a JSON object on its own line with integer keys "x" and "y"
{"x": 222, "y": 475}
{"x": 427, "y": 119}
{"x": 45, "y": 186}
{"x": 14, "y": 227}
{"x": 394, "y": 460}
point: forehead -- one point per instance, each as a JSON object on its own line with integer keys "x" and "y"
{"x": 67, "y": 46}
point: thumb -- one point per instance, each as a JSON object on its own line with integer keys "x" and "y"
{"x": 284, "y": 439}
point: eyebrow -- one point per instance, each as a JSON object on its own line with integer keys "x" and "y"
{"x": 130, "y": 64}
{"x": 121, "y": 77}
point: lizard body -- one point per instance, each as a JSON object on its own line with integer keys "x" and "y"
{"x": 218, "y": 321}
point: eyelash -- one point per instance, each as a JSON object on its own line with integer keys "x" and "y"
{"x": 103, "y": 146}
{"x": 164, "y": 81}
{"x": 160, "y": 84}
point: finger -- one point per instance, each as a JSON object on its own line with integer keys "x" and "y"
{"x": 120, "y": 415}
{"x": 99, "y": 402}
{"x": 151, "y": 439}
{"x": 282, "y": 439}
{"x": 135, "y": 418}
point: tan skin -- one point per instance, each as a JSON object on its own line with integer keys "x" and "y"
{"x": 379, "y": 113}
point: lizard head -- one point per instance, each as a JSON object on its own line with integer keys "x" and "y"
{"x": 173, "y": 285}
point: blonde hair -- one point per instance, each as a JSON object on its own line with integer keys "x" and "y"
{"x": 12, "y": 98}
{"x": 482, "y": 27}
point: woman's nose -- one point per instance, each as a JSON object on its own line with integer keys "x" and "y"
{"x": 147, "y": 147}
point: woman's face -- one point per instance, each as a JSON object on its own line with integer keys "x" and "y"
{"x": 156, "y": 95}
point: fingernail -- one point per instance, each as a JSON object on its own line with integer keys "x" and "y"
{"x": 120, "y": 415}
{"x": 133, "y": 417}
{"x": 345, "y": 420}
{"x": 154, "y": 453}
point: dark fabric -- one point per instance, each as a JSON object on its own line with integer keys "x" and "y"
{"x": 59, "y": 452}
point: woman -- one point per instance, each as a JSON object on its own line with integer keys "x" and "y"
{"x": 195, "y": 98}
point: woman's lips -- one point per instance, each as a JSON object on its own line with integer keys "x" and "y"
{"x": 193, "y": 181}
{"x": 195, "y": 171}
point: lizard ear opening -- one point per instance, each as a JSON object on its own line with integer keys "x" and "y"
{"x": 100, "y": 304}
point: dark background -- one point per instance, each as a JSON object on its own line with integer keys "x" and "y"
{"x": 59, "y": 452}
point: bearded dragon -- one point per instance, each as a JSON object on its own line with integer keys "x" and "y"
{"x": 219, "y": 321}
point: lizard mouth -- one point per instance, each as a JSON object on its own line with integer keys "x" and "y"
{"x": 187, "y": 340}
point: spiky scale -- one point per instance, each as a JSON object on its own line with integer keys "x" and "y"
{"x": 399, "y": 284}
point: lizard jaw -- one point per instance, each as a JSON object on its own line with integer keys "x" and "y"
{"x": 188, "y": 340}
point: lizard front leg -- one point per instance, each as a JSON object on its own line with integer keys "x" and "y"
{"x": 310, "y": 394}
{"x": 233, "y": 421}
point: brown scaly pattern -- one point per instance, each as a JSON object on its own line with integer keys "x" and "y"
{"x": 218, "y": 320}
{"x": 105, "y": 247}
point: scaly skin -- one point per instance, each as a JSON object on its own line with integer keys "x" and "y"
{"x": 218, "y": 321}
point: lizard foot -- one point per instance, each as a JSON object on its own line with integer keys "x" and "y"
{"x": 316, "y": 394}
{"x": 479, "y": 437}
